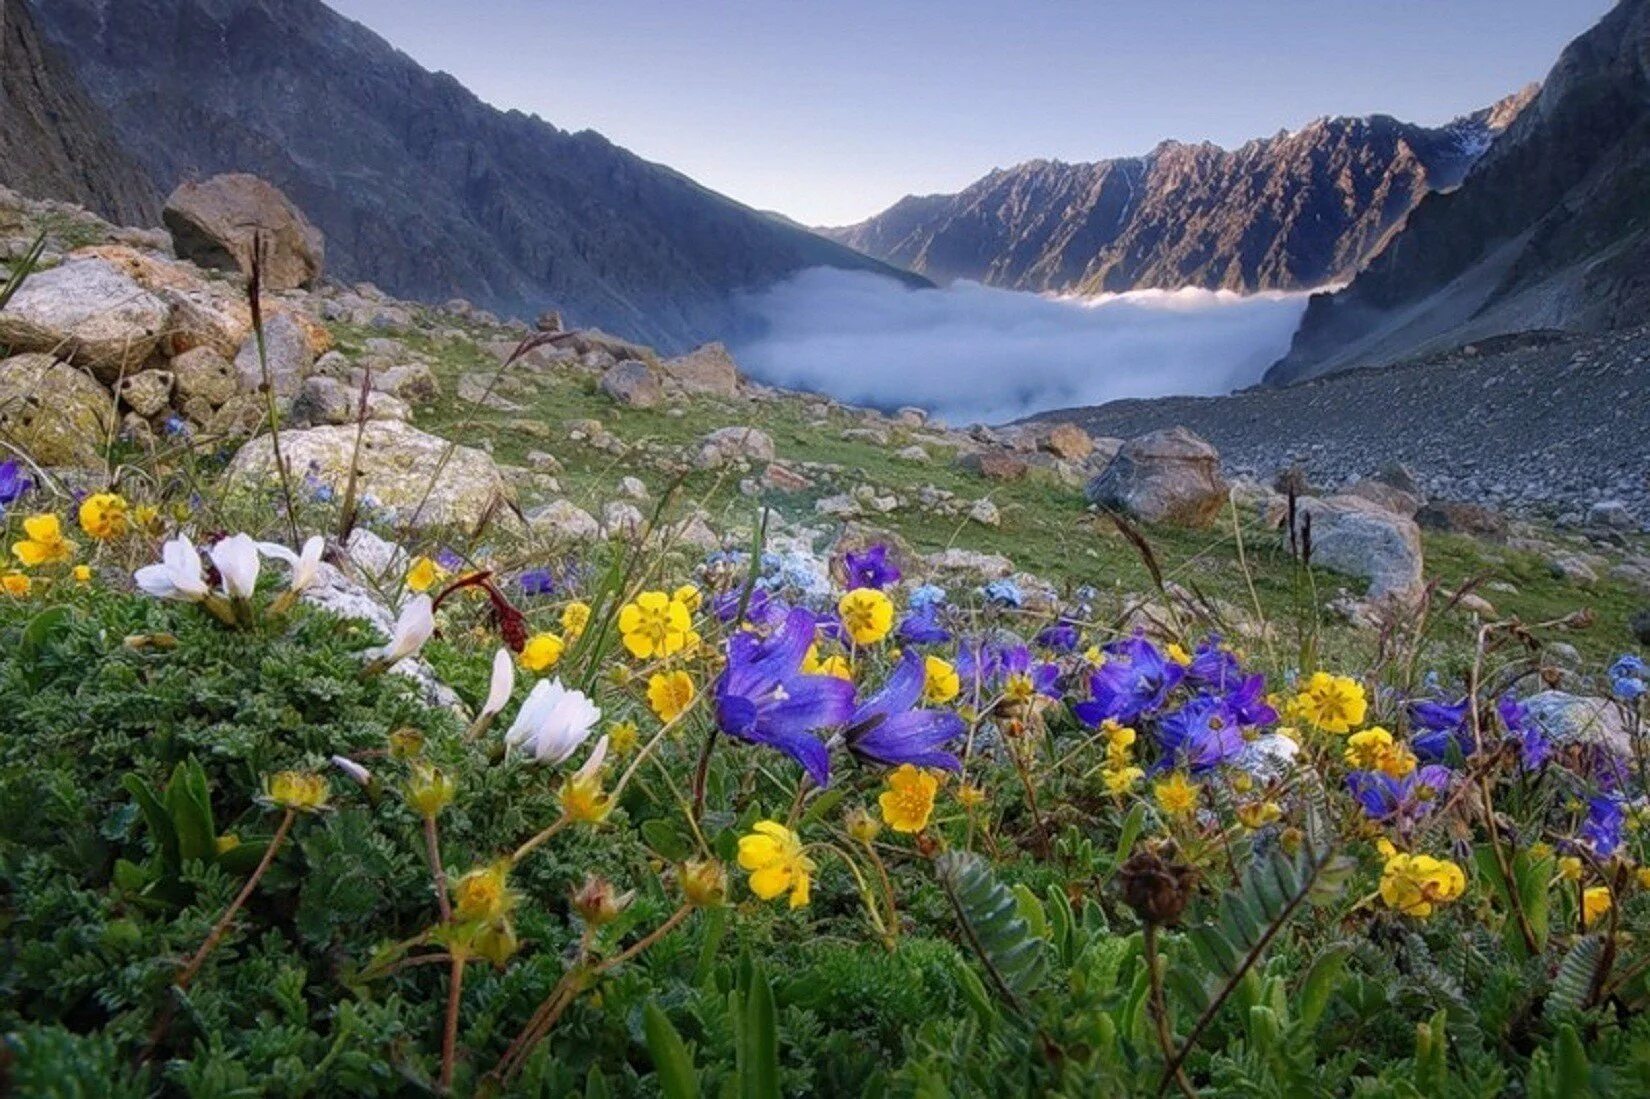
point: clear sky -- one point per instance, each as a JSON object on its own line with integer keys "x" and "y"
{"x": 830, "y": 111}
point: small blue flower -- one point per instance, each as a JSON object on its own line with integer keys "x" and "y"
{"x": 885, "y": 728}
{"x": 12, "y": 483}
{"x": 1004, "y": 593}
{"x": 1406, "y": 799}
{"x": 537, "y": 582}
{"x": 871, "y": 568}
{"x": 1601, "y": 830}
{"x": 1628, "y": 664}
{"x": 1136, "y": 679}
{"x": 1628, "y": 689}
{"x": 927, "y": 595}
{"x": 922, "y": 627}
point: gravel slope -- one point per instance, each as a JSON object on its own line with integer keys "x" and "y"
{"x": 1542, "y": 423}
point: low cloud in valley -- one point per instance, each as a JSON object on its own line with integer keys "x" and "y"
{"x": 971, "y": 352}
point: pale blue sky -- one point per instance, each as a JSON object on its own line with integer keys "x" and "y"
{"x": 828, "y": 112}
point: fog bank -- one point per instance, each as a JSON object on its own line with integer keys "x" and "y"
{"x": 971, "y": 352}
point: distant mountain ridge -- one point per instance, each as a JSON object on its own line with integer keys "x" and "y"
{"x": 1293, "y": 211}
{"x": 1551, "y": 229}
{"x": 418, "y": 185}
{"x": 54, "y": 141}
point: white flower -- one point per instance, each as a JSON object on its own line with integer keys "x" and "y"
{"x": 304, "y": 564}
{"x": 179, "y": 574}
{"x": 353, "y": 769}
{"x": 504, "y": 681}
{"x": 236, "y": 558}
{"x": 598, "y": 756}
{"x": 412, "y": 629}
{"x": 552, "y": 722}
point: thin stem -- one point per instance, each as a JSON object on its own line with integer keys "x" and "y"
{"x": 449, "y": 1034}
{"x": 432, "y": 848}
{"x": 222, "y": 926}
{"x": 1160, "y": 1012}
{"x": 561, "y": 822}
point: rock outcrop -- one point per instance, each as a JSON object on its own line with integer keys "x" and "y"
{"x": 87, "y": 311}
{"x": 1356, "y": 537}
{"x": 216, "y": 224}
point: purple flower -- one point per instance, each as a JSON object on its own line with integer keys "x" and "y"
{"x": 449, "y": 560}
{"x": 1135, "y": 679}
{"x": 1060, "y": 637}
{"x": 1247, "y": 701}
{"x": 763, "y": 697}
{"x": 761, "y": 610}
{"x": 12, "y": 483}
{"x": 1439, "y": 725}
{"x": 1213, "y": 665}
{"x": 537, "y": 582}
{"x": 1534, "y": 749}
{"x": 922, "y": 627}
{"x": 886, "y": 729}
{"x": 871, "y": 568}
{"x": 1020, "y": 677}
{"x": 978, "y": 664}
{"x": 1203, "y": 733}
{"x": 1406, "y": 799}
{"x": 1602, "y": 829}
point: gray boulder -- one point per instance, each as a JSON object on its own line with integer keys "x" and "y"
{"x": 704, "y": 370}
{"x": 563, "y": 521}
{"x": 87, "y": 311}
{"x": 325, "y": 400}
{"x": 1575, "y": 719}
{"x": 215, "y": 222}
{"x": 204, "y": 373}
{"x": 288, "y": 355}
{"x": 633, "y": 384}
{"x": 53, "y": 412}
{"x": 732, "y": 444}
{"x": 1168, "y": 476}
{"x": 1354, "y": 537}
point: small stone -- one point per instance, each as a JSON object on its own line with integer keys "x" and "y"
{"x": 633, "y": 384}
{"x": 633, "y": 488}
{"x": 622, "y": 520}
{"x": 729, "y": 444}
{"x": 994, "y": 465}
{"x": 985, "y": 513}
{"x": 913, "y": 454}
{"x": 148, "y": 392}
{"x": 562, "y": 520}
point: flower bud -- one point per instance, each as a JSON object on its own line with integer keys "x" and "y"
{"x": 862, "y": 825}
{"x": 483, "y": 893}
{"x": 704, "y": 882}
{"x": 406, "y": 743}
{"x": 496, "y": 942}
{"x": 598, "y": 903}
{"x": 1156, "y": 889}
{"x": 429, "y": 789}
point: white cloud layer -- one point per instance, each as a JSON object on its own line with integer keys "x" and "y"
{"x": 971, "y": 352}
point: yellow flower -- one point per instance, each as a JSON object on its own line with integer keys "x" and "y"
{"x": 583, "y": 799}
{"x": 940, "y": 682}
{"x": 862, "y": 825}
{"x": 424, "y": 574}
{"x": 622, "y": 737}
{"x": 146, "y": 517}
{"x": 83, "y": 574}
{"x": 44, "y": 544}
{"x": 1334, "y": 703}
{"x": 304, "y": 791}
{"x": 655, "y": 625}
{"x": 970, "y": 796}
{"x": 541, "y": 652}
{"x": 483, "y": 893}
{"x": 867, "y": 615}
{"x": 836, "y": 664}
{"x": 1120, "y": 780}
{"x": 1364, "y": 750}
{"x": 774, "y": 857}
{"x": 1178, "y": 655}
{"x": 16, "y": 584}
{"x": 1642, "y": 875}
{"x": 103, "y": 515}
{"x": 1176, "y": 795}
{"x": 688, "y": 596}
{"x": 429, "y": 789}
{"x": 1595, "y": 902}
{"x": 670, "y": 693}
{"x": 574, "y": 618}
{"x": 1258, "y": 814}
{"x": 1242, "y": 783}
{"x": 909, "y": 800}
{"x": 1569, "y": 868}
{"x": 704, "y": 882}
{"x": 1415, "y": 884}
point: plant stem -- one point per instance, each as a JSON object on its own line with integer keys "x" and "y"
{"x": 1160, "y": 1014}
{"x": 432, "y": 848}
{"x": 561, "y": 822}
{"x": 449, "y": 1034}
{"x": 222, "y": 926}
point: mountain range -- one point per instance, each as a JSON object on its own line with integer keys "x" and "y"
{"x": 418, "y": 185}
{"x": 1550, "y": 229}
{"x": 1294, "y": 211}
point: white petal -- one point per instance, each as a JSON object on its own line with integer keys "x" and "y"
{"x": 504, "y": 681}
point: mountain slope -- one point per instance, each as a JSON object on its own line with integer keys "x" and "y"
{"x": 1550, "y": 229}
{"x": 418, "y": 185}
{"x": 54, "y": 142}
{"x": 1291, "y": 211}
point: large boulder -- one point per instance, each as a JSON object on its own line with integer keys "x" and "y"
{"x": 633, "y": 384}
{"x": 734, "y": 444}
{"x": 214, "y": 223}
{"x": 708, "y": 369}
{"x": 52, "y": 412}
{"x": 88, "y": 311}
{"x": 204, "y": 373}
{"x": 423, "y": 479}
{"x": 1066, "y": 441}
{"x": 563, "y": 521}
{"x": 994, "y": 465}
{"x": 324, "y": 400}
{"x": 1357, "y": 537}
{"x": 1168, "y": 476}
{"x": 288, "y": 353}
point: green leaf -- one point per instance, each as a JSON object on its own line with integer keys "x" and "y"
{"x": 1320, "y": 984}
{"x": 158, "y": 820}
{"x": 1031, "y": 910}
{"x": 757, "y": 1057}
{"x": 671, "y": 1060}
{"x": 1132, "y": 826}
{"x": 1013, "y": 956}
{"x": 190, "y": 806}
{"x": 666, "y": 838}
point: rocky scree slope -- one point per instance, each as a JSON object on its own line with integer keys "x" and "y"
{"x": 1550, "y": 229}
{"x": 418, "y": 185}
{"x": 1292, "y": 211}
{"x": 54, "y": 141}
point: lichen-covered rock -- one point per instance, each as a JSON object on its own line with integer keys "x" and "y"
{"x": 88, "y": 311}
{"x": 1355, "y": 537}
{"x": 206, "y": 374}
{"x": 148, "y": 392}
{"x": 994, "y": 465}
{"x": 707, "y": 370}
{"x": 633, "y": 384}
{"x": 563, "y": 521}
{"x": 214, "y": 223}
{"x": 289, "y": 353}
{"x": 1575, "y": 719}
{"x": 52, "y": 412}
{"x": 325, "y": 400}
{"x": 621, "y": 519}
{"x": 1066, "y": 441}
{"x": 414, "y": 382}
{"x": 424, "y": 480}
{"x": 1167, "y": 476}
